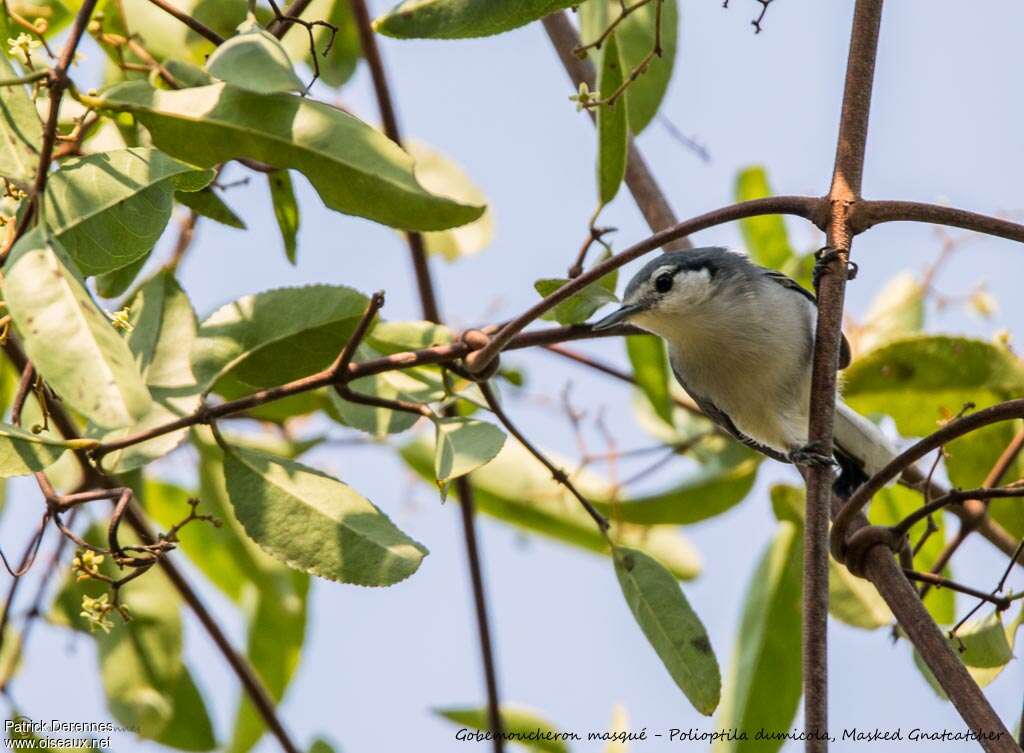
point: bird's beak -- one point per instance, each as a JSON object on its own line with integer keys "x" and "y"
{"x": 618, "y": 316}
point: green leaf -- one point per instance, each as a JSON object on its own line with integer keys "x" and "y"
{"x": 208, "y": 204}
{"x": 338, "y": 65}
{"x": 764, "y": 684}
{"x": 167, "y": 38}
{"x": 278, "y": 335}
{"x": 923, "y": 380}
{"x": 672, "y": 627}
{"x": 635, "y": 36}
{"x": 21, "y": 133}
{"x": 286, "y": 209}
{"x": 636, "y": 39}
{"x": 580, "y": 305}
{"x": 277, "y": 631}
{"x": 896, "y": 311}
{"x": 68, "y": 338}
{"x": 163, "y": 330}
{"x": 890, "y": 506}
{"x": 852, "y": 600}
{"x": 109, "y": 209}
{"x": 649, "y": 359}
{"x": 516, "y": 720}
{"x": 114, "y": 283}
{"x": 723, "y": 481}
{"x": 442, "y": 176}
{"x": 612, "y": 124}
{"x": 354, "y": 168}
{"x": 315, "y": 523}
{"x": 516, "y": 488}
{"x": 985, "y": 647}
{"x": 22, "y": 452}
{"x": 254, "y": 60}
{"x": 463, "y": 445}
{"x": 140, "y": 660}
{"x": 765, "y": 237}
{"x": 458, "y": 19}
{"x": 189, "y": 727}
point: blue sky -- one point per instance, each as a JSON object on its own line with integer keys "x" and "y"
{"x": 946, "y": 127}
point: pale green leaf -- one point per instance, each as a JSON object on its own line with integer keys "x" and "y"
{"x": 442, "y": 176}
{"x": 277, "y": 630}
{"x": 984, "y": 645}
{"x": 764, "y": 684}
{"x": 254, "y": 60}
{"x": 516, "y": 721}
{"x": 670, "y": 624}
{"x": 189, "y": 727}
{"x": 355, "y": 169}
{"x": 612, "y": 123}
{"x": 338, "y": 65}
{"x": 765, "y": 237}
{"x": 208, "y": 204}
{"x": 580, "y": 305}
{"x": 923, "y": 380}
{"x": 315, "y": 523}
{"x": 109, "y": 209}
{"x": 619, "y": 728}
{"x": 165, "y": 37}
{"x": 163, "y": 330}
{"x": 852, "y": 600}
{"x": 896, "y": 311}
{"x": 286, "y": 209}
{"x": 21, "y": 132}
{"x": 272, "y": 337}
{"x": 723, "y": 481}
{"x": 68, "y": 338}
{"x": 649, "y": 360}
{"x": 140, "y": 660}
{"x": 463, "y": 445}
{"x": 22, "y": 452}
{"x": 457, "y": 19}
{"x": 517, "y": 489}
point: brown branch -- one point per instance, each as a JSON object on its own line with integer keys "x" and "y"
{"x": 845, "y": 190}
{"x": 866, "y": 214}
{"x": 558, "y": 474}
{"x": 1001, "y": 602}
{"x": 28, "y": 377}
{"x": 1002, "y": 412}
{"x": 253, "y": 686}
{"x": 197, "y": 26}
{"x": 59, "y": 82}
{"x": 431, "y": 312}
{"x": 641, "y": 182}
{"x": 291, "y": 13}
{"x": 956, "y": 497}
{"x": 974, "y": 511}
{"x": 344, "y": 359}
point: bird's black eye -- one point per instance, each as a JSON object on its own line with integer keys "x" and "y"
{"x": 663, "y": 282}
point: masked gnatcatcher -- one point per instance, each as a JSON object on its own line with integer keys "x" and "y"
{"x": 740, "y": 339}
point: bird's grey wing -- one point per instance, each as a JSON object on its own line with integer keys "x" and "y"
{"x": 785, "y": 281}
{"x": 721, "y": 418}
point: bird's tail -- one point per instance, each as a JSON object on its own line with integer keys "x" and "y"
{"x": 861, "y": 441}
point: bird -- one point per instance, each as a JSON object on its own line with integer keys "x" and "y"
{"x": 740, "y": 339}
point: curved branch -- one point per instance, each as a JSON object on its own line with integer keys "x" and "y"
{"x": 868, "y": 213}
{"x": 1003, "y": 412}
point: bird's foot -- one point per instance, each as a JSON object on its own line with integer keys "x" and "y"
{"x": 825, "y": 256}
{"x": 812, "y": 455}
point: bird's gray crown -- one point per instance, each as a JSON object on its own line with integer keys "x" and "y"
{"x": 715, "y": 259}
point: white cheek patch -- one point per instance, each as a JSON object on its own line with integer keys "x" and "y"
{"x": 692, "y": 286}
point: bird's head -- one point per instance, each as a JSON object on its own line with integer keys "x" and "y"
{"x": 673, "y": 286}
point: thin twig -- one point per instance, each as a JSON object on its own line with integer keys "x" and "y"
{"x": 558, "y": 474}
{"x": 344, "y": 359}
{"x": 1001, "y": 602}
{"x": 197, "y": 26}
